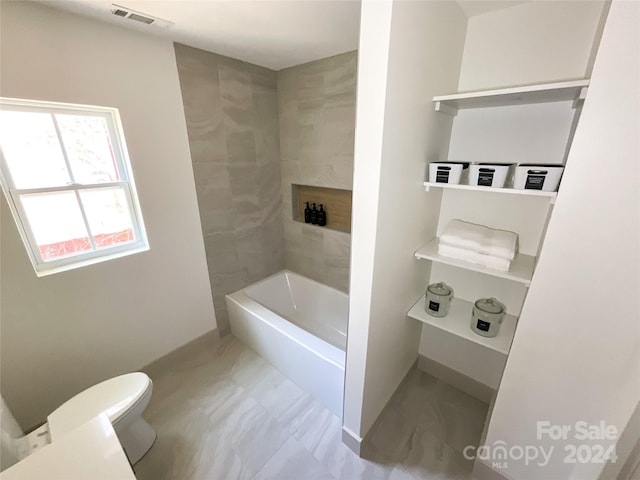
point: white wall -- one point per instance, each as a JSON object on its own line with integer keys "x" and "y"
{"x": 575, "y": 353}
{"x": 373, "y": 53}
{"x": 392, "y": 215}
{"x": 533, "y": 42}
{"x": 65, "y": 332}
{"x": 515, "y": 134}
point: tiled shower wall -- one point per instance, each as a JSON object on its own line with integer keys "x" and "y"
{"x": 317, "y": 108}
{"x": 231, "y": 111}
{"x": 246, "y": 124}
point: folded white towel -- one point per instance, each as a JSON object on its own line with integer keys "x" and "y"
{"x": 464, "y": 235}
{"x": 496, "y": 263}
{"x": 480, "y": 239}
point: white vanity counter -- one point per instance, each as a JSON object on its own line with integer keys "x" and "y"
{"x": 90, "y": 451}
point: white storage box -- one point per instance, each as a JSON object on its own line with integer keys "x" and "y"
{"x": 448, "y": 172}
{"x": 490, "y": 174}
{"x": 531, "y": 176}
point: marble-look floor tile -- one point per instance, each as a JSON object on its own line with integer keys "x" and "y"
{"x": 224, "y": 413}
{"x": 246, "y": 429}
{"x": 293, "y": 462}
{"x": 276, "y": 393}
{"x": 209, "y": 426}
{"x": 400, "y": 473}
{"x": 323, "y": 437}
{"x": 430, "y": 457}
{"x": 306, "y": 420}
{"x": 249, "y": 367}
{"x": 425, "y": 428}
{"x": 298, "y": 412}
{"x": 462, "y": 416}
{"x": 320, "y": 433}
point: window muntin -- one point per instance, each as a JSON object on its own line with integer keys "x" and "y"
{"x": 67, "y": 178}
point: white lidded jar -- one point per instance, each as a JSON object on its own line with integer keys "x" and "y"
{"x": 487, "y": 316}
{"x": 438, "y": 299}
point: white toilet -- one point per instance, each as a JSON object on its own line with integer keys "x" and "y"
{"x": 123, "y": 399}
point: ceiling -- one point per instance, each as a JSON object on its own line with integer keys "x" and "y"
{"x": 471, "y": 8}
{"x": 273, "y": 33}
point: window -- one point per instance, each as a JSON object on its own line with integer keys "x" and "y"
{"x": 66, "y": 175}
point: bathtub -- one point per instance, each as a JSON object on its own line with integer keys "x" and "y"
{"x": 300, "y": 327}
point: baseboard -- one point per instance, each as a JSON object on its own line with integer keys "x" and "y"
{"x": 162, "y": 364}
{"x": 359, "y": 444}
{"x": 351, "y": 440}
{"x": 456, "y": 379}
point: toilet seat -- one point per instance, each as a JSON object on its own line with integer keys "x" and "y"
{"x": 115, "y": 397}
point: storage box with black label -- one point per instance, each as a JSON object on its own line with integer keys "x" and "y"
{"x": 494, "y": 175}
{"x": 448, "y": 172}
{"x": 531, "y": 176}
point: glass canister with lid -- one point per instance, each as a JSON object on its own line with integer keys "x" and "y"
{"x": 438, "y": 298}
{"x": 487, "y": 316}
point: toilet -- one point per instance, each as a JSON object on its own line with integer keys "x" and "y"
{"x": 123, "y": 399}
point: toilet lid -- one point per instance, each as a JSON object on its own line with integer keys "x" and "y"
{"x": 113, "y": 397}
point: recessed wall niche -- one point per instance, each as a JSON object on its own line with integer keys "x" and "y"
{"x": 336, "y": 202}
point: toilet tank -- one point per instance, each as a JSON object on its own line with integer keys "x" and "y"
{"x": 10, "y": 432}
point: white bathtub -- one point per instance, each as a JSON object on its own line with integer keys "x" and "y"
{"x": 300, "y": 327}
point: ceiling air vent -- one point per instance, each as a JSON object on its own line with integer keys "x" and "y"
{"x": 141, "y": 18}
{"x": 124, "y": 12}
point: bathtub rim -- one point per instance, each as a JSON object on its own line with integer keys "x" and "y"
{"x": 285, "y": 270}
{"x": 307, "y": 340}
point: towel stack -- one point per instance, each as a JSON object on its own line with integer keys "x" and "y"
{"x": 478, "y": 244}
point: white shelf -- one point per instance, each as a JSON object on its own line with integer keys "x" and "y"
{"x": 458, "y": 322}
{"x": 509, "y": 191}
{"x": 521, "y": 267}
{"x": 550, "y": 92}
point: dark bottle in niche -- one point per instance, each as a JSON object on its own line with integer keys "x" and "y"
{"x": 314, "y": 215}
{"x": 307, "y": 213}
{"x": 322, "y": 216}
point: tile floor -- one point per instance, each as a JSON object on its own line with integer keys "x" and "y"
{"x": 225, "y": 413}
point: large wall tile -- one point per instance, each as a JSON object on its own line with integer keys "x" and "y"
{"x": 231, "y": 109}
{"x": 316, "y": 104}
{"x": 253, "y": 133}
{"x": 337, "y": 250}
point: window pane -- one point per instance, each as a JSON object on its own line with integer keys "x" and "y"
{"x": 108, "y": 216}
{"x": 31, "y": 149}
{"x": 88, "y": 146}
{"x": 56, "y": 223}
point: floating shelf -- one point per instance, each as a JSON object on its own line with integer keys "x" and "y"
{"x": 509, "y": 191}
{"x": 521, "y": 267}
{"x": 550, "y": 92}
{"x": 458, "y": 321}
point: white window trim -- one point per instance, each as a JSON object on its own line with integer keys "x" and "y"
{"x": 123, "y": 164}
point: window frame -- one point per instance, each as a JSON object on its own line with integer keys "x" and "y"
{"x": 126, "y": 181}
